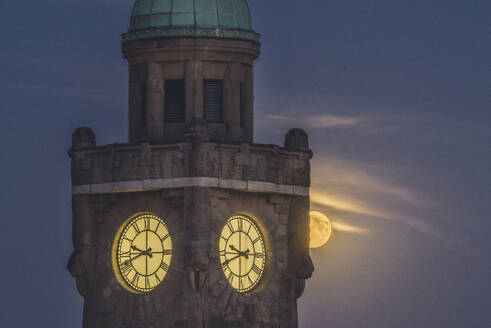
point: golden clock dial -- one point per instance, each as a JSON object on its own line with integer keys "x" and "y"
{"x": 242, "y": 253}
{"x": 142, "y": 253}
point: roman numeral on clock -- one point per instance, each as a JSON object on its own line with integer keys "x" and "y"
{"x": 135, "y": 279}
{"x": 230, "y": 226}
{"x": 164, "y": 266}
{"x": 241, "y": 284}
{"x": 147, "y": 282}
{"x": 126, "y": 267}
{"x": 157, "y": 278}
{"x": 135, "y": 226}
{"x": 164, "y": 238}
{"x": 256, "y": 269}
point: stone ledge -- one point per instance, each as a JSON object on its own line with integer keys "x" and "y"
{"x": 155, "y": 184}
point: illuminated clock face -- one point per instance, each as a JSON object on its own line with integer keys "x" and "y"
{"x": 142, "y": 253}
{"x": 242, "y": 253}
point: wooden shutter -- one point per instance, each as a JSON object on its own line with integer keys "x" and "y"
{"x": 213, "y": 100}
{"x": 243, "y": 114}
{"x": 175, "y": 101}
{"x": 143, "y": 103}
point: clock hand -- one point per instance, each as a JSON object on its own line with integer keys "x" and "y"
{"x": 148, "y": 252}
{"x": 244, "y": 254}
{"x": 146, "y": 258}
{"x": 230, "y": 260}
{"x": 130, "y": 260}
{"x": 165, "y": 251}
{"x": 137, "y": 249}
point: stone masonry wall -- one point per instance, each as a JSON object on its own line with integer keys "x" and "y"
{"x": 119, "y": 163}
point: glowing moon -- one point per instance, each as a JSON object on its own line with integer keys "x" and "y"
{"x": 320, "y": 229}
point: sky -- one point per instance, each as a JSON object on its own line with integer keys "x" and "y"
{"x": 395, "y": 96}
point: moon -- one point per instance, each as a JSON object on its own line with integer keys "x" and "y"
{"x": 320, "y": 229}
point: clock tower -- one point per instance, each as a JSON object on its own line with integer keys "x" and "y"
{"x": 190, "y": 224}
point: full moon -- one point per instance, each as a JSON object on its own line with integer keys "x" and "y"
{"x": 320, "y": 229}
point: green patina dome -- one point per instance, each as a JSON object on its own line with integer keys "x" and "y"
{"x": 229, "y": 19}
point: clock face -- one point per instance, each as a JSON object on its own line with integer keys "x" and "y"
{"x": 242, "y": 253}
{"x": 142, "y": 253}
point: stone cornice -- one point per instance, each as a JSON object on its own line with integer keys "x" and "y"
{"x": 191, "y": 32}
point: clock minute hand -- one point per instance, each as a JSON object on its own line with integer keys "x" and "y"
{"x": 148, "y": 252}
{"x": 130, "y": 260}
{"x": 244, "y": 254}
{"x": 230, "y": 260}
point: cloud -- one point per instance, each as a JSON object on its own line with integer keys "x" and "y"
{"x": 326, "y": 121}
{"x": 362, "y": 178}
{"x": 339, "y": 226}
{"x": 366, "y": 189}
{"x": 320, "y": 121}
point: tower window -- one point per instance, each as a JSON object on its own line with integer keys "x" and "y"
{"x": 143, "y": 101}
{"x": 242, "y": 106}
{"x": 175, "y": 101}
{"x": 213, "y": 101}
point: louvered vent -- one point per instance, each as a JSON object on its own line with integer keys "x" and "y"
{"x": 213, "y": 100}
{"x": 243, "y": 113}
{"x": 143, "y": 103}
{"x": 175, "y": 101}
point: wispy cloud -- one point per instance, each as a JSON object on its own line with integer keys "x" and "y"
{"x": 363, "y": 178}
{"x": 320, "y": 121}
{"x": 340, "y": 226}
{"x": 366, "y": 190}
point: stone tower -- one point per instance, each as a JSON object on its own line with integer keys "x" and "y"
{"x": 191, "y": 163}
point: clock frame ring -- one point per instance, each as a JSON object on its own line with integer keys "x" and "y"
{"x": 245, "y": 254}
{"x": 141, "y": 252}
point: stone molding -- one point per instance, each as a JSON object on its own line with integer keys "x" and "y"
{"x": 193, "y": 32}
{"x": 155, "y": 184}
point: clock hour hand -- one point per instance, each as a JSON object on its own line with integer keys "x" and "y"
{"x": 244, "y": 254}
{"x": 137, "y": 249}
{"x": 148, "y": 252}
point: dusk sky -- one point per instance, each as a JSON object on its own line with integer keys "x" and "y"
{"x": 395, "y": 96}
